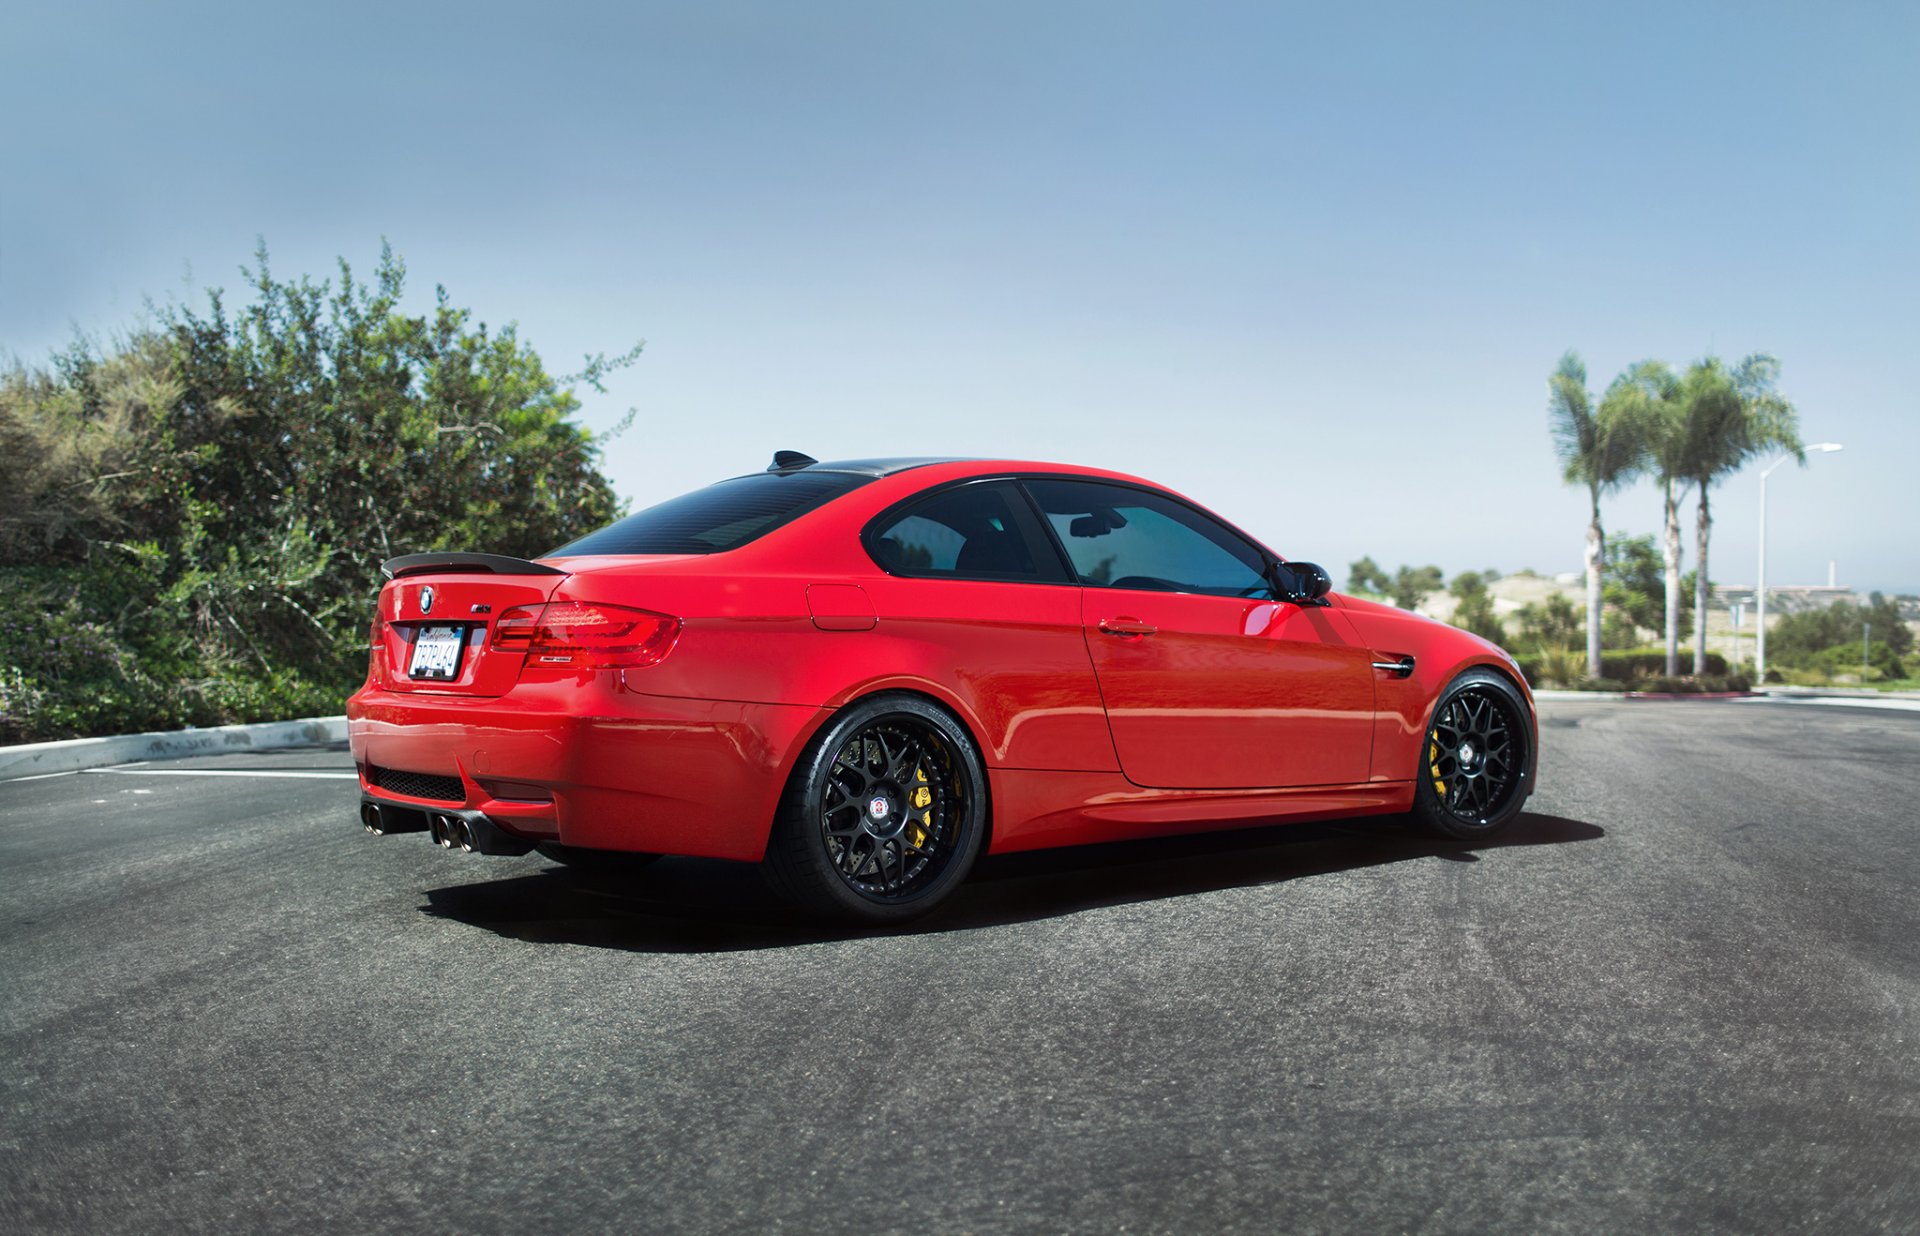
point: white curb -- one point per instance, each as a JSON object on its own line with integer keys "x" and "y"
{"x": 1894, "y": 703}
{"x": 74, "y": 754}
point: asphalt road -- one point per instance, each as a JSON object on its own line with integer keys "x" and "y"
{"x": 1680, "y": 995}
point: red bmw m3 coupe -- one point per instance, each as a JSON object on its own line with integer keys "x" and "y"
{"x": 864, "y": 674}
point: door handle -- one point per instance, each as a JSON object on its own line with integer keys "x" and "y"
{"x": 1127, "y": 628}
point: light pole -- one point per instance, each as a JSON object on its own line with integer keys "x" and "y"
{"x": 1760, "y": 589}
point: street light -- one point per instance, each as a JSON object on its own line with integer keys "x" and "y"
{"x": 1760, "y": 589}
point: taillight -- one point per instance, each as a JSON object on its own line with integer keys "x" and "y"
{"x": 376, "y": 645}
{"x": 584, "y": 635}
{"x": 513, "y": 630}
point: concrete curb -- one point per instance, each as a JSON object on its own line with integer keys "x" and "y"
{"x": 1891, "y": 702}
{"x": 1836, "y": 693}
{"x": 1897, "y": 703}
{"x": 74, "y": 754}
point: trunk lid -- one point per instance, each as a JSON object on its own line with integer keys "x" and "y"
{"x": 450, "y": 603}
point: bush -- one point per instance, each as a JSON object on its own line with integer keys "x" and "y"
{"x": 1552, "y": 625}
{"x": 1554, "y": 667}
{"x": 191, "y": 526}
{"x": 1839, "y": 626}
{"x": 1882, "y": 662}
{"x": 98, "y": 650}
{"x": 1475, "y": 609}
{"x": 1704, "y": 684}
{"x": 1630, "y": 670}
{"x": 1632, "y": 665}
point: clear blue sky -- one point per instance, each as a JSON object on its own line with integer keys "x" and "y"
{"x": 1310, "y": 264}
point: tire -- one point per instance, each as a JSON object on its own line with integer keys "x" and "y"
{"x": 883, "y": 815}
{"x": 1476, "y": 764}
{"x": 599, "y": 862}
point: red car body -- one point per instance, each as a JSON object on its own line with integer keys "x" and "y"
{"x": 1099, "y": 712}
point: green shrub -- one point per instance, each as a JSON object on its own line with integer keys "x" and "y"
{"x": 191, "y": 525}
{"x": 1634, "y": 664}
{"x": 1556, "y": 666}
{"x": 1704, "y": 684}
{"x": 1629, "y": 670}
{"x": 1882, "y": 661}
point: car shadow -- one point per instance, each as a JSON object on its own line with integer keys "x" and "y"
{"x": 686, "y": 905}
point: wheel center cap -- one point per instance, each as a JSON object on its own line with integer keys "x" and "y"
{"x": 885, "y": 813}
{"x": 1466, "y": 753}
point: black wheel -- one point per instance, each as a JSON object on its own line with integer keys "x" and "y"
{"x": 883, "y": 815}
{"x": 600, "y": 862}
{"x": 1475, "y": 763}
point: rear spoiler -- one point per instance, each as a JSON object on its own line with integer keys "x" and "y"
{"x": 489, "y": 564}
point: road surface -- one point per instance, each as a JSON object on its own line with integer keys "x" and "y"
{"x": 1681, "y": 994}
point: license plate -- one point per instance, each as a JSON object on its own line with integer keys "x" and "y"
{"x": 436, "y": 652}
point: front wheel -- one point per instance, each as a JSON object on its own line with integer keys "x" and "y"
{"x": 1476, "y": 759}
{"x": 883, "y": 816}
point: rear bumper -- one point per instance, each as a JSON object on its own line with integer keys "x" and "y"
{"x": 587, "y": 763}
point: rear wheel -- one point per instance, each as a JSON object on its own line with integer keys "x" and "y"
{"x": 883, "y": 816}
{"x": 1475, "y": 762}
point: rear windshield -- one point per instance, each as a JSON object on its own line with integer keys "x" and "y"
{"x": 718, "y": 518}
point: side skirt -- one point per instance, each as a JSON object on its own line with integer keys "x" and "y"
{"x": 1035, "y": 810}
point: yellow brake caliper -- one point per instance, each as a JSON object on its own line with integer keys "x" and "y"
{"x": 918, "y": 830}
{"x": 1433, "y": 763}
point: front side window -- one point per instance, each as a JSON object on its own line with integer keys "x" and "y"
{"x": 978, "y": 531}
{"x": 1120, "y": 537}
{"x": 720, "y": 517}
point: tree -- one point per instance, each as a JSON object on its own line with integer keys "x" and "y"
{"x": 1365, "y": 576}
{"x": 1411, "y": 585}
{"x": 193, "y": 522}
{"x": 1730, "y": 417}
{"x": 1475, "y": 610}
{"x": 1595, "y": 450}
{"x": 1633, "y": 583}
{"x": 1550, "y": 625}
{"x": 321, "y": 430}
{"x": 1840, "y": 625}
{"x": 1406, "y": 587}
{"x": 67, "y": 438}
{"x": 1646, "y": 403}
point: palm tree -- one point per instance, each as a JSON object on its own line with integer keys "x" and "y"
{"x": 1645, "y": 402}
{"x": 1730, "y": 416}
{"x": 1595, "y": 451}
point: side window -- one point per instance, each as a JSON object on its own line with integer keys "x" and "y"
{"x": 1119, "y": 537}
{"x": 981, "y": 531}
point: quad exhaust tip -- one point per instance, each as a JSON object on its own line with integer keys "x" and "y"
{"x": 382, "y": 820}
{"x": 470, "y": 832}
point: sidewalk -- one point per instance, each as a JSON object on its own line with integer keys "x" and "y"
{"x": 39, "y": 759}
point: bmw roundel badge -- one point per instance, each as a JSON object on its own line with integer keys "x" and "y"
{"x": 426, "y": 599}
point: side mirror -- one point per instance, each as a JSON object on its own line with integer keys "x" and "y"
{"x": 1315, "y": 583}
